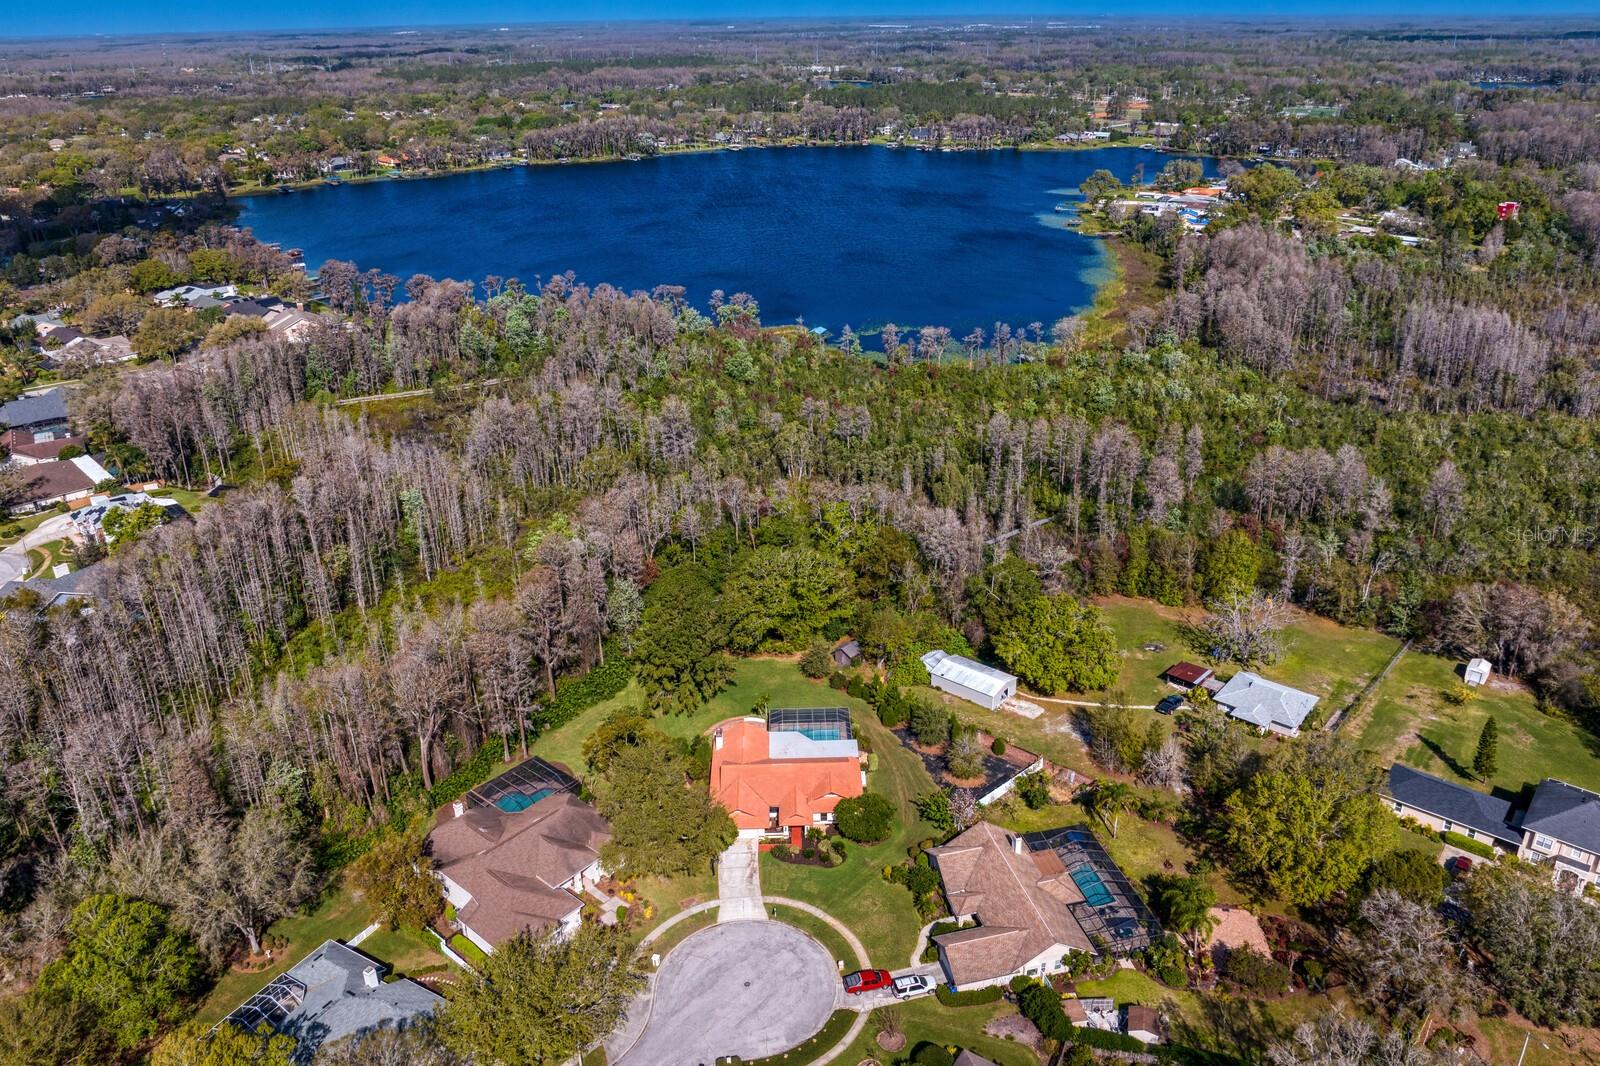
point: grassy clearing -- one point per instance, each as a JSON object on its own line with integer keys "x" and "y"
{"x": 1409, "y": 720}
{"x": 925, "y": 1019}
{"x": 1320, "y": 656}
{"x": 337, "y": 916}
{"x": 881, "y": 914}
{"x": 779, "y": 681}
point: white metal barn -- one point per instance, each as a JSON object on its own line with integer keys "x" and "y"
{"x": 1477, "y": 672}
{"x": 972, "y": 681}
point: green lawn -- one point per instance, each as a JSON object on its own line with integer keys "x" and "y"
{"x": 337, "y": 916}
{"x": 1411, "y": 722}
{"x": 779, "y": 681}
{"x": 1330, "y": 660}
{"x": 878, "y": 912}
{"x": 821, "y": 932}
{"x": 12, "y": 529}
{"x": 926, "y": 1019}
{"x": 407, "y": 951}
{"x": 1320, "y": 656}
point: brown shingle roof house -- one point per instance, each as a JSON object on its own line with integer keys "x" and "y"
{"x": 1020, "y": 899}
{"x": 506, "y": 872}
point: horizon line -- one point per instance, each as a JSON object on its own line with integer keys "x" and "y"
{"x": 1579, "y": 12}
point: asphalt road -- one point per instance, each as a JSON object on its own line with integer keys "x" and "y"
{"x": 750, "y": 989}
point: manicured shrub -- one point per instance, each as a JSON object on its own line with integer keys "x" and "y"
{"x": 817, "y": 661}
{"x": 866, "y": 819}
{"x": 972, "y": 997}
{"x": 999, "y": 746}
{"x": 1034, "y": 789}
{"x": 1467, "y": 844}
{"x": 928, "y": 1054}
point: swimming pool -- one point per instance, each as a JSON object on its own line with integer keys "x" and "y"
{"x": 822, "y": 733}
{"x": 513, "y": 802}
{"x": 1095, "y": 892}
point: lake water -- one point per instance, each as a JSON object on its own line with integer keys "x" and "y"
{"x": 833, "y": 236}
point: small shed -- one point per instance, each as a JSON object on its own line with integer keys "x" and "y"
{"x": 846, "y": 653}
{"x": 1477, "y": 672}
{"x": 1186, "y": 675}
{"x": 1143, "y": 1023}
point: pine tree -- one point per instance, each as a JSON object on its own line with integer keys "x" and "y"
{"x": 1486, "y": 759}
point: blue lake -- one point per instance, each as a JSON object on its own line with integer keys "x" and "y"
{"x": 833, "y": 236}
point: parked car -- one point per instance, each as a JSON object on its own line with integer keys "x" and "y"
{"x": 1169, "y": 704}
{"x": 912, "y": 985}
{"x": 866, "y": 981}
{"x": 1461, "y": 866}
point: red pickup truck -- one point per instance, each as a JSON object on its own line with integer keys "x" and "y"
{"x": 866, "y": 981}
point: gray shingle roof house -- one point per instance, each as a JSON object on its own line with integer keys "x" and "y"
{"x": 1561, "y": 830}
{"x": 40, "y": 409}
{"x": 1445, "y": 805}
{"x": 332, "y": 993}
{"x": 1266, "y": 704}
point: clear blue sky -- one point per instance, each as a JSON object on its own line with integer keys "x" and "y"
{"x": 75, "y": 17}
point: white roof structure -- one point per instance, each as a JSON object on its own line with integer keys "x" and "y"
{"x": 91, "y": 469}
{"x": 1267, "y": 704}
{"x": 967, "y": 673}
{"x": 1478, "y": 671}
{"x": 787, "y": 745}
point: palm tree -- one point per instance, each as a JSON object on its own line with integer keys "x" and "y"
{"x": 1108, "y": 801}
{"x": 1186, "y": 903}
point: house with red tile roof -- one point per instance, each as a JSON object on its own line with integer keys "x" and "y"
{"x": 783, "y": 780}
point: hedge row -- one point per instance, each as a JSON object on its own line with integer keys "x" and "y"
{"x": 973, "y": 997}
{"x": 1476, "y": 847}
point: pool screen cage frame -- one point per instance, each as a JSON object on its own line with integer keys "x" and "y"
{"x": 271, "y": 1006}
{"x": 527, "y": 777}
{"x": 1126, "y": 906}
{"x": 801, "y": 719}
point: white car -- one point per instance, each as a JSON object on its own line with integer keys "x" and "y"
{"x": 912, "y": 985}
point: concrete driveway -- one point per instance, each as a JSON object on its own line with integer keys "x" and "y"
{"x": 14, "y": 557}
{"x": 750, "y": 989}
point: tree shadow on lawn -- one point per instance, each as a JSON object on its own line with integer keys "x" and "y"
{"x": 1449, "y": 760}
{"x": 1242, "y": 1027}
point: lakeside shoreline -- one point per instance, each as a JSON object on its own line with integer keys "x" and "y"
{"x": 334, "y": 181}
